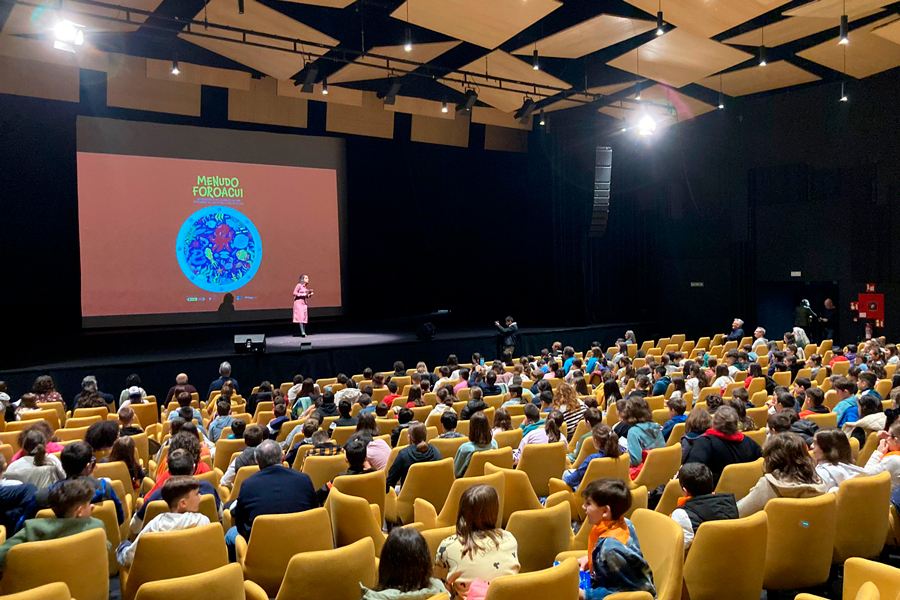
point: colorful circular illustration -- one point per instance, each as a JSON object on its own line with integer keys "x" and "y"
{"x": 218, "y": 249}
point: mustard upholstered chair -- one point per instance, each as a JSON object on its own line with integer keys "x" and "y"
{"x": 158, "y": 507}
{"x": 555, "y": 583}
{"x": 87, "y": 578}
{"x": 339, "y": 571}
{"x": 169, "y": 554}
{"x": 322, "y": 469}
{"x": 662, "y": 544}
{"x": 434, "y": 537}
{"x": 599, "y": 468}
{"x": 510, "y": 439}
{"x": 448, "y": 446}
{"x": 275, "y": 539}
{"x": 542, "y": 533}
{"x": 543, "y": 462}
{"x": 427, "y": 514}
{"x": 518, "y": 493}
{"x": 668, "y": 502}
{"x": 241, "y": 476}
{"x": 859, "y": 577}
{"x": 675, "y": 436}
{"x": 824, "y": 421}
{"x": 799, "y": 525}
{"x": 224, "y": 583}
{"x": 868, "y": 448}
{"x": 51, "y": 591}
{"x": 224, "y": 450}
{"x": 429, "y": 481}
{"x": 501, "y": 457}
{"x": 862, "y": 521}
{"x": 739, "y": 478}
{"x": 367, "y": 485}
{"x": 717, "y": 547}
{"x": 660, "y": 466}
{"x": 353, "y": 519}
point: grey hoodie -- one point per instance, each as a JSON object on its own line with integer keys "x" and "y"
{"x": 769, "y": 487}
{"x": 434, "y": 588}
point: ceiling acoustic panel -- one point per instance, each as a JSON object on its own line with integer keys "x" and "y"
{"x": 580, "y": 99}
{"x": 368, "y": 67}
{"x": 28, "y": 20}
{"x": 588, "y": 36}
{"x": 422, "y": 107}
{"x": 833, "y": 9}
{"x": 666, "y": 105}
{"x": 259, "y": 17}
{"x": 889, "y": 31}
{"x": 866, "y": 54}
{"x": 776, "y": 75}
{"x": 328, "y": 3}
{"x": 335, "y": 95}
{"x": 501, "y": 64}
{"x": 485, "y": 23}
{"x": 679, "y": 58}
{"x": 790, "y": 29}
{"x": 707, "y": 18}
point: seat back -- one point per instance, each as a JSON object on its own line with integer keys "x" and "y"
{"x": 146, "y": 413}
{"x": 824, "y": 420}
{"x": 169, "y": 554}
{"x": 739, "y": 478}
{"x": 87, "y": 578}
{"x": 660, "y": 466}
{"x": 662, "y": 544}
{"x": 448, "y": 513}
{"x": 91, "y": 412}
{"x": 862, "y": 506}
{"x": 340, "y": 571}
{"x": 51, "y": 591}
{"x": 612, "y": 468}
{"x": 429, "y": 481}
{"x": 759, "y": 416}
{"x": 448, "y": 446}
{"x": 502, "y": 457}
{"x": 342, "y": 435}
{"x": 542, "y": 533}
{"x": 510, "y": 439}
{"x": 241, "y": 476}
{"x": 804, "y": 526}
{"x": 322, "y": 469}
{"x": 717, "y": 547}
{"x": 859, "y": 571}
{"x": 541, "y": 462}
{"x": 668, "y": 502}
{"x": 675, "y": 436}
{"x": 352, "y": 520}
{"x": 275, "y": 539}
{"x": 117, "y": 471}
{"x": 555, "y": 583}
{"x": 518, "y": 493}
{"x": 866, "y": 451}
{"x": 369, "y": 486}
{"x": 224, "y": 583}
{"x": 224, "y": 449}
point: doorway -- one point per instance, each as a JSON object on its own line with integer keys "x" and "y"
{"x": 776, "y": 301}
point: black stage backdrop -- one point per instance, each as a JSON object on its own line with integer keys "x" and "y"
{"x": 776, "y": 183}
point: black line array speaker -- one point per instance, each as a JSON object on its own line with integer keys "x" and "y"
{"x": 602, "y": 177}
{"x": 426, "y": 331}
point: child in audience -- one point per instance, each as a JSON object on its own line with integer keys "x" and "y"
{"x": 480, "y": 439}
{"x": 645, "y": 434}
{"x": 592, "y": 417}
{"x": 182, "y": 496}
{"x": 502, "y": 421}
{"x": 834, "y": 458}
{"x": 698, "y": 503}
{"x": 814, "y": 403}
{"x": 887, "y": 456}
{"x": 548, "y": 430}
{"x": 16, "y": 501}
{"x": 53, "y": 446}
{"x": 27, "y": 403}
{"x": 606, "y": 444}
{"x": 404, "y": 569}
{"x": 323, "y": 446}
{"x": 126, "y": 422}
{"x": 71, "y": 503}
{"x": 449, "y": 421}
{"x": 274, "y": 426}
{"x": 676, "y": 407}
{"x": 404, "y": 421}
{"x": 697, "y": 423}
{"x": 238, "y": 427}
{"x": 355, "y": 454}
{"x": 614, "y": 558}
{"x": 36, "y": 466}
{"x": 479, "y": 550}
{"x": 418, "y": 450}
{"x": 123, "y": 450}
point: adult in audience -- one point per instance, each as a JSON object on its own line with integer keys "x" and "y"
{"x": 479, "y": 550}
{"x": 36, "y": 466}
{"x": 834, "y": 458}
{"x": 224, "y": 375}
{"x": 480, "y": 439}
{"x": 404, "y": 569}
{"x": 698, "y": 503}
{"x": 724, "y": 444}
{"x": 759, "y": 338}
{"x": 133, "y": 380}
{"x": 274, "y": 490}
{"x": 134, "y": 395}
{"x": 253, "y": 437}
{"x": 418, "y": 450}
{"x": 736, "y": 333}
{"x": 181, "y": 381}
{"x": 17, "y": 501}
{"x": 89, "y": 386}
{"x": 45, "y": 391}
{"x": 489, "y": 386}
{"x": 790, "y": 472}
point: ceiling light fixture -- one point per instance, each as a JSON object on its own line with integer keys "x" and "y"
{"x": 408, "y": 45}
{"x": 646, "y": 126}
{"x": 844, "y": 97}
{"x": 525, "y": 111}
{"x": 659, "y": 19}
{"x": 468, "y": 102}
{"x": 175, "y": 69}
{"x": 637, "y": 95}
{"x": 311, "y": 73}
{"x": 240, "y": 7}
{"x": 845, "y": 30}
{"x": 444, "y": 107}
{"x": 534, "y": 60}
{"x": 762, "y": 48}
{"x": 542, "y": 121}
{"x": 391, "y": 97}
{"x": 721, "y": 95}
{"x": 624, "y": 124}
{"x": 325, "y": 87}
{"x": 68, "y": 35}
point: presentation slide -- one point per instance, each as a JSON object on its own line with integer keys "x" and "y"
{"x": 179, "y": 240}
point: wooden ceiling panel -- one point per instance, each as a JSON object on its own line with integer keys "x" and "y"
{"x": 866, "y": 54}
{"x": 485, "y": 23}
{"x": 27, "y": 20}
{"x": 191, "y": 73}
{"x": 833, "y": 9}
{"x": 328, "y": 3}
{"x": 789, "y": 30}
{"x": 779, "y": 74}
{"x": 362, "y": 68}
{"x": 41, "y": 50}
{"x": 580, "y": 99}
{"x": 686, "y": 107}
{"x": 889, "y": 31}
{"x": 501, "y": 64}
{"x": 261, "y": 104}
{"x": 588, "y": 36}
{"x": 666, "y": 105}
{"x": 422, "y": 107}
{"x": 370, "y": 119}
{"x": 679, "y": 58}
{"x": 440, "y": 131}
{"x": 335, "y": 95}
{"x": 707, "y": 18}
{"x": 491, "y": 116}
{"x": 261, "y": 18}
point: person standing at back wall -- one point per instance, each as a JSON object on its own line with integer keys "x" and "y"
{"x": 509, "y": 335}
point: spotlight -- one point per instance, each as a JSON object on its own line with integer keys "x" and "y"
{"x": 325, "y": 87}
{"x": 391, "y": 97}
{"x": 534, "y": 60}
{"x": 525, "y": 111}
{"x": 845, "y": 30}
{"x": 721, "y": 100}
{"x": 543, "y": 121}
{"x": 637, "y": 95}
{"x": 175, "y": 70}
{"x": 444, "y": 107}
{"x": 408, "y": 45}
{"x": 659, "y": 23}
{"x": 762, "y": 56}
{"x": 311, "y": 73}
{"x": 646, "y": 126}
{"x": 844, "y": 97}
{"x": 624, "y": 124}
{"x": 68, "y": 35}
{"x": 468, "y": 102}
{"x": 240, "y": 7}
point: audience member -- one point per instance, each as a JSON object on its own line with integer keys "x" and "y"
{"x": 449, "y": 421}
{"x": 418, "y": 450}
{"x": 181, "y": 381}
{"x": 36, "y": 466}
{"x": 17, "y": 501}
{"x": 405, "y": 569}
{"x": 480, "y": 439}
{"x": 644, "y": 434}
{"x": 253, "y": 437}
{"x": 676, "y": 407}
{"x": 606, "y": 444}
{"x": 698, "y": 503}
{"x": 834, "y": 458}
{"x": 224, "y": 375}
{"x": 723, "y": 444}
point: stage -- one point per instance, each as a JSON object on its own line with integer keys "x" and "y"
{"x": 157, "y": 355}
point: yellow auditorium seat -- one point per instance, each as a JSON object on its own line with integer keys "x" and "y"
{"x": 510, "y": 439}
{"x": 448, "y": 446}
{"x": 51, "y": 591}
{"x": 661, "y": 465}
{"x": 662, "y": 544}
{"x": 861, "y": 575}
{"x": 502, "y": 457}
{"x": 158, "y": 507}
{"x": 543, "y": 462}
{"x": 555, "y": 583}
{"x": 739, "y": 478}
{"x": 429, "y": 481}
{"x": 353, "y": 519}
{"x": 339, "y": 571}
{"x": 242, "y": 475}
{"x": 368, "y": 485}
{"x": 427, "y": 513}
{"x": 799, "y": 525}
{"x": 518, "y": 493}
{"x": 275, "y": 539}
{"x": 863, "y": 517}
{"x": 668, "y": 502}
{"x": 224, "y": 449}
{"x": 542, "y": 533}
{"x": 322, "y": 469}
{"x": 224, "y": 583}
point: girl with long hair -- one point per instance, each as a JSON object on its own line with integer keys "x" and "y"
{"x": 36, "y": 466}
{"x": 123, "y": 450}
{"x": 566, "y": 401}
{"x": 405, "y": 569}
{"x": 834, "y": 458}
{"x": 480, "y": 439}
{"x": 418, "y": 450}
